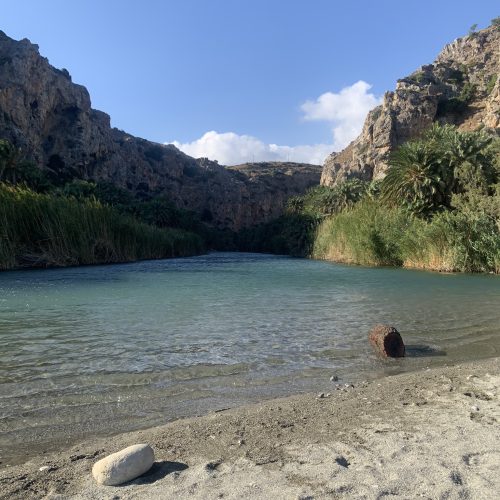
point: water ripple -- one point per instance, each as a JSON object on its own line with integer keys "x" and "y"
{"x": 150, "y": 341}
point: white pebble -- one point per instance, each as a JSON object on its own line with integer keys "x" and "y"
{"x": 124, "y": 465}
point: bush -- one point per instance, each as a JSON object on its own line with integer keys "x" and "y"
{"x": 457, "y": 105}
{"x": 291, "y": 234}
{"x": 491, "y": 84}
{"x": 454, "y": 241}
{"x": 372, "y": 234}
{"x": 369, "y": 234}
{"x": 325, "y": 200}
{"x": 424, "y": 174}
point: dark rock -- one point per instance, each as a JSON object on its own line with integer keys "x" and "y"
{"x": 387, "y": 341}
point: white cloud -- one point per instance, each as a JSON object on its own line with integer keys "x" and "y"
{"x": 232, "y": 149}
{"x": 344, "y": 111}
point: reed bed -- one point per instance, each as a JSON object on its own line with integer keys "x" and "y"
{"x": 374, "y": 235}
{"x": 42, "y": 230}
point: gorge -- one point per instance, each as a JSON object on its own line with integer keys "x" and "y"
{"x": 49, "y": 120}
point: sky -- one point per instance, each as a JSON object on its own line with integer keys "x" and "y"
{"x": 242, "y": 80}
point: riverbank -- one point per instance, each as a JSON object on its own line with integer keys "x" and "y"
{"x": 371, "y": 234}
{"x": 432, "y": 433}
{"x": 45, "y": 230}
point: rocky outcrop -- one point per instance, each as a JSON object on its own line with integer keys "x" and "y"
{"x": 51, "y": 119}
{"x": 461, "y": 87}
{"x": 270, "y": 184}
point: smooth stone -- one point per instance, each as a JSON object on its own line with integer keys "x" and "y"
{"x": 124, "y": 465}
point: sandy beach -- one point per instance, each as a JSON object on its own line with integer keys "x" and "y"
{"x": 427, "y": 434}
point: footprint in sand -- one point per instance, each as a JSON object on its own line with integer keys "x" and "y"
{"x": 485, "y": 459}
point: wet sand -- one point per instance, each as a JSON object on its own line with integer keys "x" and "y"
{"x": 429, "y": 434}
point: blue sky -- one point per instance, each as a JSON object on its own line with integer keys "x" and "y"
{"x": 251, "y": 73}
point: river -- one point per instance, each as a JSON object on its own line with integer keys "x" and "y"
{"x": 105, "y": 349}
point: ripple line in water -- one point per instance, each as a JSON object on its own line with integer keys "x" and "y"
{"x": 140, "y": 342}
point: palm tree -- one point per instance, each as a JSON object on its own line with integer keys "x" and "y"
{"x": 10, "y": 161}
{"x": 424, "y": 174}
{"x": 415, "y": 179}
{"x": 457, "y": 150}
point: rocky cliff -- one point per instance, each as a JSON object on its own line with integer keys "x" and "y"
{"x": 461, "y": 87}
{"x": 51, "y": 119}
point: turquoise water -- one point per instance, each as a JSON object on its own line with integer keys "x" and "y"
{"x": 94, "y": 350}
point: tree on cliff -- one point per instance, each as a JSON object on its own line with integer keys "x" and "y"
{"x": 10, "y": 160}
{"x": 15, "y": 169}
{"x": 424, "y": 174}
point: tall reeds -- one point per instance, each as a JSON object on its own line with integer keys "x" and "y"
{"x": 41, "y": 230}
{"x": 375, "y": 235}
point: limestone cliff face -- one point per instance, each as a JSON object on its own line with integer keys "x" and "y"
{"x": 270, "y": 184}
{"x": 461, "y": 87}
{"x": 51, "y": 119}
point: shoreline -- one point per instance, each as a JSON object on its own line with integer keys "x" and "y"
{"x": 404, "y": 266}
{"x": 433, "y": 432}
{"x": 341, "y": 261}
{"x": 96, "y": 264}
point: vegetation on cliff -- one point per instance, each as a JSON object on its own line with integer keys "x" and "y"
{"x": 437, "y": 208}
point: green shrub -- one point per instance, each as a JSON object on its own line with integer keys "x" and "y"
{"x": 491, "y": 84}
{"x": 325, "y": 200}
{"x": 372, "y": 234}
{"x": 424, "y": 174}
{"x": 454, "y": 241}
{"x": 290, "y": 234}
{"x": 368, "y": 234}
{"x": 457, "y": 105}
{"x": 417, "y": 77}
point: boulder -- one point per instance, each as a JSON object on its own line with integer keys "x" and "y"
{"x": 124, "y": 465}
{"x": 387, "y": 341}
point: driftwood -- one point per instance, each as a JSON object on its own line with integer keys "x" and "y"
{"x": 387, "y": 341}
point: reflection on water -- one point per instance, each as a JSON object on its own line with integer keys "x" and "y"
{"x": 88, "y": 349}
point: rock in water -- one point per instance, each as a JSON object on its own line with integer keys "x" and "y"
{"x": 124, "y": 465}
{"x": 387, "y": 341}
